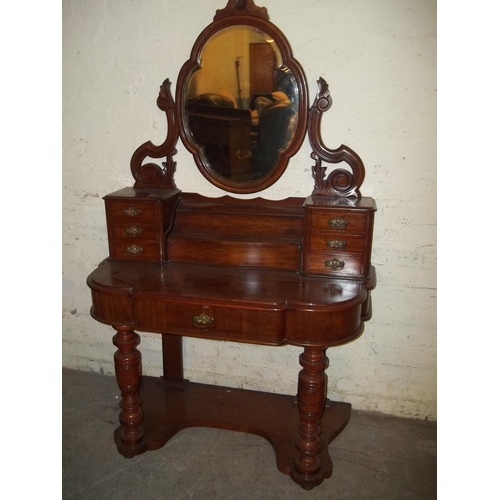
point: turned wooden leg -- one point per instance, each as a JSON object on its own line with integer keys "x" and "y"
{"x": 129, "y": 436}
{"x": 311, "y": 402}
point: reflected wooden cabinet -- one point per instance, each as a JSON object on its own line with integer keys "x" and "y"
{"x": 294, "y": 271}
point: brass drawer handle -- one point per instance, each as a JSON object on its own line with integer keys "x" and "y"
{"x": 336, "y": 243}
{"x": 133, "y": 230}
{"x": 334, "y": 264}
{"x": 134, "y": 249}
{"x": 202, "y": 321}
{"x": 338, "y": 223}
{"x": 133, "y": 211}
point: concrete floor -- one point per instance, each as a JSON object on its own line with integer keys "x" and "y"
{"x": 376, "y": 457}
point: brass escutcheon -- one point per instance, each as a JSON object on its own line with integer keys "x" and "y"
{"x": 338, "y": 223}
{"x": 336, "y": 243}
{"x": 202, "y": 320}
{"x": 334, "y": 264}
{"x": 133, "y": 230}
{"x": 134, "y": 249}
{"x": 133, "y": 211}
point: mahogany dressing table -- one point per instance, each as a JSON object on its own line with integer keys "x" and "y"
{"x": 294, "y": 271}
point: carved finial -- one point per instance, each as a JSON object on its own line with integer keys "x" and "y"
{"x": 165, "y": 99}
{"x": 247, "y": 7}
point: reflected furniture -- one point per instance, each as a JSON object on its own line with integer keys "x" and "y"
{"x": 295, "y": 271}
{"x": 225, "y": 134}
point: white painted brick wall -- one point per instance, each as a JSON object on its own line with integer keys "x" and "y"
{"x": 380, "y": 61}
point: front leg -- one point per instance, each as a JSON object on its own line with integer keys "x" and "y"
{"x": 129, "y": 436}
{"x": 307, "y": 469}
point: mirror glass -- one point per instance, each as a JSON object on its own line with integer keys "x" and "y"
{"x": 241, "y": 104}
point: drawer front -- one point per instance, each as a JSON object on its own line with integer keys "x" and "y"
{"x": 134, "y": 230}
{"x": 197, "y": 319}
{"x": 343, "y": 222}
{"x": 261, "y": 326}
{"x": 135, "y": 249}
{"x": 334, "y": 264}
{"x": 131, "y": 210}
{"x": 326, "y": 242}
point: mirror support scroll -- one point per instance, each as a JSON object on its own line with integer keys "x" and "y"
{"x": 150, "y": 174}
{"x": 340, "y": 182}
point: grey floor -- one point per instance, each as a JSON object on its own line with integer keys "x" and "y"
{"x": 376, "y": 457}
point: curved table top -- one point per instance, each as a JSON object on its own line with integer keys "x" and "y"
{"x": 328, "y": 308}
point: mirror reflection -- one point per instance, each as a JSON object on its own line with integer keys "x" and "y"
{"x": 241, "y": 105}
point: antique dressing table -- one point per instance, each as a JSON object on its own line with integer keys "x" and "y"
{"x": 294, "y": 271}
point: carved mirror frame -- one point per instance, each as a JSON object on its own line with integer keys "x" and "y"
{"x": 242, "y": 14}
{"x": 340, "y": 182}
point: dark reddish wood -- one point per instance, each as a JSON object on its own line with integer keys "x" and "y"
{"x": 261, "y": 306}
{"x": 355, "y": 237}
{"x": 241, "y": 6}
{"x": 168, "y": 410}
{"x": 173, "y": 360}
{"x": 152, "y": 175}
{"x": 137, "y": 221}
{"x": 294, "y": 271}
{"x": 340, "y": 182}
{"x": 128, "y": 375}
{"x": 242, "y": 13}
{"x": 311, "y": 399}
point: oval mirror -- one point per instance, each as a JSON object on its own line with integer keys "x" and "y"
{"x": 242, "y": 105}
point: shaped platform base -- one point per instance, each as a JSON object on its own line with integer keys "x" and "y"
{"x": 170, "y": 408}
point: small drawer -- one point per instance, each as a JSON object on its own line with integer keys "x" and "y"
{"x": 338, "y": 221}
{"x": 133, "y": 230}
{"x": 327, "y": 242}
{"x": 135, "y": 249}
{"x": 195, "y": 319}
{"x": 334, "y": 264}
{"x": 131, "y": 210}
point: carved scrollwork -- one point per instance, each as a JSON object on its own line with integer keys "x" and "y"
{"x": 150, "y": 174}
{"x": 340, "y": 182}
{"x": 241, "y": 7}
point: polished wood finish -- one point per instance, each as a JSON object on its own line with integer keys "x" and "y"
{"x": 128, "y": 371}
{"x": 173, "y": 366}
{"x": 340, "y": 182}
{"x": 339, "y": 230}
{"x": 311, "y": 401}
{"x": 151, "y": 175}
{"x": 137, "y": 219}
{"x": 247, "y": 14}
{"x": 294, "y": 271}
{"x": 260, "y": 306}
{"x": 168, "y": 410}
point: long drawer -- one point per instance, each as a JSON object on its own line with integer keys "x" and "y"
{"x": 240, "y": 324}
